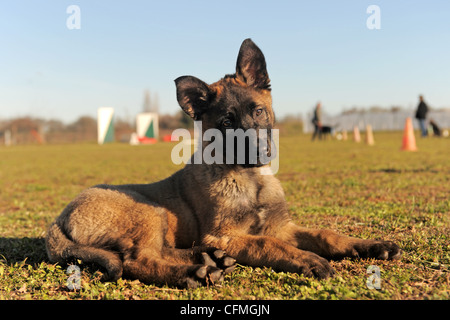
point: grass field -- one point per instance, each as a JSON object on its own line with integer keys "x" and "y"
{"x": 364, "y": 191}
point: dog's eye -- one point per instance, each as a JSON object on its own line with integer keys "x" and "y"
{"x": 258, "y": 111}
{"x": 227, "y": 123}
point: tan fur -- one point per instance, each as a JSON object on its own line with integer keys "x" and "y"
{"x": 176, "y": 231}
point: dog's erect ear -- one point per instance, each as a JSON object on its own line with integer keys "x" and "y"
{"x": 192, "y": 95}
{"x": 251, "y": 66}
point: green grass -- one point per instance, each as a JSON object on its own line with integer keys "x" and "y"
{"x": 368, "y": 192}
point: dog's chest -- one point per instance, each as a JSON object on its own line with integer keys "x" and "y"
{"x": 245, "y": 200}
{"x": 236, "y": 191}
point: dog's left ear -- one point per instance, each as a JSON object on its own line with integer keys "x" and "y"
{"x": 193, "y": 95}
{"x": 251, "y": 66}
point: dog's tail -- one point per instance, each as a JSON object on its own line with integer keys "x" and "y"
{"x": 61, "y": 249}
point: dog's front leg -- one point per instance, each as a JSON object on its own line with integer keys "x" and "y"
{"x": 331, "y": 245}
{"x": 259, "y": 251}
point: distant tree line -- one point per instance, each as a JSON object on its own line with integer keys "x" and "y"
{"x": 31, "y": 130}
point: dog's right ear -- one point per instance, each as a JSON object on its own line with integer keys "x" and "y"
{"x": 193, "y": 95}
{"x": 251, "y": 66}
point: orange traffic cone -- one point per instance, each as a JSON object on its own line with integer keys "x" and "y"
{"x": 356, "y": 135}
{"x": 369, "y": 135}
{"x": 344, "y": 135}
{"x": 409, "y": 140}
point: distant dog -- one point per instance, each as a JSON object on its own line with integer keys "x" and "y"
{"x": 436, "y": 130}
{"x": 327, "y": 131}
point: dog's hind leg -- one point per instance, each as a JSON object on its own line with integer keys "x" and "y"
{"x": 61, "y": 249}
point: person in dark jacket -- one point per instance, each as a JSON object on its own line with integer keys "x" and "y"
{"x": 317, "y": 121}
{"x": 421, "y": 115}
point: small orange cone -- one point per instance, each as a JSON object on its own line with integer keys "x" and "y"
{"x": 369, "y": 135}
{"x": 356, "y": 135}
{"x": 344, "y": 135}
{"x": 409, "y": 140}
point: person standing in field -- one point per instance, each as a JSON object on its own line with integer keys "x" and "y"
{"x": 421, "y": 115}
{"x": 317, "y": 121}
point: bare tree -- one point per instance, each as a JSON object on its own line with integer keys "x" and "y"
{"x": 150, "y": 104}
{"x": 155, "y": 103}
{"x": 147, "y": 105}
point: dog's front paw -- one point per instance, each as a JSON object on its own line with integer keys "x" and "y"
{"x": 313, "y": 265}
{"x": 383, "y": 250}
{"x": 214, "y": 264}
{"x": 218, "y": 258}
{"x": 204, "y": 275}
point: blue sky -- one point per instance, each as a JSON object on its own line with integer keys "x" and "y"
{"x": 315, "y": 51}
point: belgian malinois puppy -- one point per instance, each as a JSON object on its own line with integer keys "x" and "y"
{"x": 183, "y": 231}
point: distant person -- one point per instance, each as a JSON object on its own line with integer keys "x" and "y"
{"x": 421, "y": 115}
{"x": 317, "y": 121}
